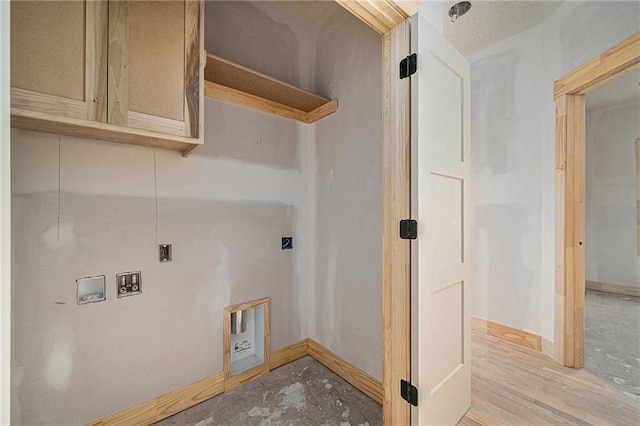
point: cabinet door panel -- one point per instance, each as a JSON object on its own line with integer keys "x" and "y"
{"x": 194, "y": 72}
{"x": 48, "y": 47}
{"x": 118, "y": 76}
{"x": 156, "y": 58}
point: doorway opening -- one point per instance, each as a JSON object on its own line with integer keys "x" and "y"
{"x": 570, "y": 279}
{"x": 612, "y": 259}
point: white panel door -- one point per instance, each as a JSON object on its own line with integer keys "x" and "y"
{"x": 440, "y": 155}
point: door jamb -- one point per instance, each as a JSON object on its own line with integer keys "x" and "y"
{"x": 5, "y": 215}
{"x": 568, "y": 93}
{"x": 396, "y": 205}
{"x": 390, "y": 19}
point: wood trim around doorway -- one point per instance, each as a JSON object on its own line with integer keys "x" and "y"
{"x": 570, "y": 191}
{"x": 381, "y": 15}
{"x": 389, "y": 18}
{"x": 396, "y": 205}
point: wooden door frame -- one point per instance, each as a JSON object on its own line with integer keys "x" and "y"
{"x": 389, "y": 19}
{"x": 5, "y": 215}
{"x": 568, "y": 93}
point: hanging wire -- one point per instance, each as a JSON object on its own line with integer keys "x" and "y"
{"x": 59, "y": 186}
{"x": 155, "y": 184}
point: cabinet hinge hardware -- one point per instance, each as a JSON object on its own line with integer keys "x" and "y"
{"x": 409, "y": 393}
{"x": 408, "y": 66}
{"x": 408, "y": 229}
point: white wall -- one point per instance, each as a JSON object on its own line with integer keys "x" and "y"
{"x": 5, "y": 217}
{"x": 347, "y": 295}
{"x": 224, "y": 219}
{"x": 224, "y": 209}
{"x": 611, "y": 204}
{"x": 244, "y": 34}
{"x": 513, "y": 133}
{"x": 83, "y": 208}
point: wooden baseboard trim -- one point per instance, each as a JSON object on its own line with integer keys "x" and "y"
{"x": 173, "y": 402}
{"x": 167, "y": 404}
{"x": 479, "y": 325}
{"x": 352, "y": 374}
{"x": 188, "y": 396}
{"x": 506, "y": 333}
{"x": 244, "y": 377}
{"x": 624, "y": 290}
{"x": 288, "y": 354}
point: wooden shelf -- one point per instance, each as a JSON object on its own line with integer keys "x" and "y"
{"x": 71, "y": 126}
{"x": 234, "y": 83}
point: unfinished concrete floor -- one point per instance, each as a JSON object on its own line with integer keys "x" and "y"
{"x": 510, "y": 385}
{"x": 303, "y": 392}
{"x": 612, "y": 340}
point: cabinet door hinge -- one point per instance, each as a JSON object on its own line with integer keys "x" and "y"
{"x": 409, "y": 393}
{"x": 408, "y": 66}
{"x": 408, "y": 229}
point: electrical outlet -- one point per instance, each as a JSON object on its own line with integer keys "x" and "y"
{"x": 164, "y": 253}
{"x": 128, "y": 283}
{"x": 287, "y": 243}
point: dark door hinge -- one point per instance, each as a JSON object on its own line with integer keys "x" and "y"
{"x": 409, "y": 393}
{"x": 408, "y": 229}
{"x": 408, "y": 66}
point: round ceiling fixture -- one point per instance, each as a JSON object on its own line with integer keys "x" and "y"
{"x": 459, "y": 9}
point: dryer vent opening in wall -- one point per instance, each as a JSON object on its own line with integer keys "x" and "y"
{"x": 239, "y": 322}
{"x": 246, "y": 337}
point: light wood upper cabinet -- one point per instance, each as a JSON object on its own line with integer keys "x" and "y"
{"x": 154, "y": 55}
{"x": 58, "y": 62}
{"x": 123, "y": 71}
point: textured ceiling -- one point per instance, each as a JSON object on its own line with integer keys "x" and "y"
{"x": 622, "y": 90}
{"x": 489, "y": 22}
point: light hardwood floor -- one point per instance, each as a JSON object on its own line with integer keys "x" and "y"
{"x": 512, "y": 385}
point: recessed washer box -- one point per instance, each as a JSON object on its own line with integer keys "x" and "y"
{"x": 91, "y": 289}
{"x": 128, "y": 284}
